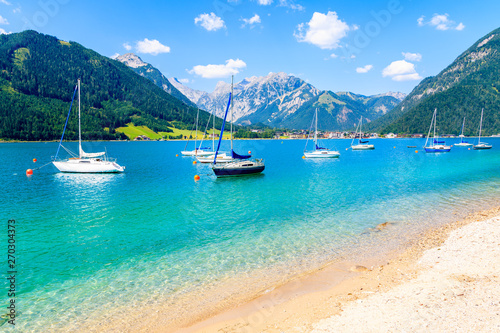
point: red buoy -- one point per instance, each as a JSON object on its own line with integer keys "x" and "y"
{"x": 196, "y": 177}
{"x": 34, "y": 160}
{"x": 29, "y": 172}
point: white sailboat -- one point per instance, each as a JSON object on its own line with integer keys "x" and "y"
{"x": 85, "y": 162}
{"x": 319, "y": 152}
{"x": 481, "y": 145}
{"x": 197, "y": 151}
{"x": 463, "y": 143}
{"x": 362, "y": 144}
{"x": 436, "y": 146}
{"x": 221, "y": 157}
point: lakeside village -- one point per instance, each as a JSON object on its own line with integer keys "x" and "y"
{"x": 303, "y": 134}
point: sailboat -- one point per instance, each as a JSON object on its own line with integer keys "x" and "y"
{"x": 241, "y": 164}
{"x": 319, "y": 152}
{"x": 197, "y": 151}
{"x": 463, "y": 143}
{"x": 436, "y": 146}
{"x": 221, "y": 157}
{"x": 85, "y": 162}
{"x": 481, "y": 145}
{"x": 362, "y": 144}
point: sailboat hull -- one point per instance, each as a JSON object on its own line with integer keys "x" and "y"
{"x": 322, "y": 154}
{"x": 196, "y": 153}
{"x": 82, "y": 165}
{"x": 363, "y": 147}
{"x": 437, "y": 149}
{"x": 240, "y": 168}
{"x": 482, "y": 146}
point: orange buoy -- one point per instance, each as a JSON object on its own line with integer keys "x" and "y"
{"x": 29, "y": 172}
{"x": 176, "y": 155}
{"x": 196, "y": 177}
{"x": 194, "y": 162}
{"x": 249, "y": 152}
{"x": 303, "y": 157}
{"x": 394, "y": 146}
{"x": 34, "y": 160}
{"x": 416, "y": 151}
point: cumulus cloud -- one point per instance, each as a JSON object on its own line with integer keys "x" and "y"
{"x": 401, "y": 70}
{"x": 210, "y": 22}
{"x": 3, "y": 32}
{"x": 3, "y": 20}
{"x": 323, "y": 30}
{"x": 264, "y": 2}
{"x": 231, "y": 67}
{"x": 127, "y": 46}
{"x": 153, "y": 47}
{"x": 5, "y": 2}
{"x": 364, "y": 69}
{"x": 251, "y": 21}
{"x": 412, "y": 56}
{"x": 440, "y": 22}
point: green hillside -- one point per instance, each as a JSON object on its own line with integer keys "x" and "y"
{"x": 470, "y": 83}
{"x": 38, "y": 74}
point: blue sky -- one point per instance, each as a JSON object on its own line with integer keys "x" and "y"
{"x": 366, "y": 47}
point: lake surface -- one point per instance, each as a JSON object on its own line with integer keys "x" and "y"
{"x": 90, "y": 247}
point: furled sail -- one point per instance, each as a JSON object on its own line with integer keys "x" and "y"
{"x": 90, "y": 155}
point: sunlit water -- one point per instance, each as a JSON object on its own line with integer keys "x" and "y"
{"x": 88, "y": 246}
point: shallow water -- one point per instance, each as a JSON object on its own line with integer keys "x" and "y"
{"x": 91, "y": 245}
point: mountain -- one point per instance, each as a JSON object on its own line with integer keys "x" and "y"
{"x": 461, "y": 90}
{"x": 38, "y": 74}
{"x": 148, "y": 71}
{"x": 282, "y": 100}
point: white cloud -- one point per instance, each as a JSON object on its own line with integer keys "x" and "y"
{"x": 333, "y": 56}
{"x": 251, "y": 21}
{"x": 364, "y": 69}
{"x": 5, "y": 2}
{"x": 3, "y": 20}
{"x": 460, "y": 27}
{"x": 16, "y": 10}
{"x": 401, "y": 70}
{"x": 183, "y": 81}
{"x": 153, "y": 47}
{"x": 264, "y": 2}
{"x": 3, "y": 32}
{"x": 127, "y": 46}
{"x": 440, "y": 22}
{"x": 211, "y": 22}
{"x": 114, "y": 56}
{"x": 231, "y": 67}
{"x": 412, "y": 56}
{"x": 324, "y": 31}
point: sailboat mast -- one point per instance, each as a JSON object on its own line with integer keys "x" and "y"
{"x": 79, "y": 124}
{"x": 196, "y": 134}
{"x": 480, "y": 127}
{"x": 213, "y": 133}
{"x": 232, "y": 96}
{"x": 316, "y": 129}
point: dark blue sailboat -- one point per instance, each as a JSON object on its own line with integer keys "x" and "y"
{"x": 241, "y": 164}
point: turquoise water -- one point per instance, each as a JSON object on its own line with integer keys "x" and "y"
{"x": 91, "y": 247}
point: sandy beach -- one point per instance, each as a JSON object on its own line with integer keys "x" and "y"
{"x": 446, "y": 280}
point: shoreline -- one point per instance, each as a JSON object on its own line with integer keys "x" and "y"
{"x": 299, "y": 305}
